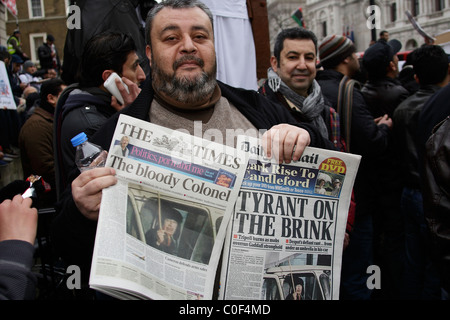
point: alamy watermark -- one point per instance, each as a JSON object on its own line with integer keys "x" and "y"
{"x": 74, "y": 277}
{"x": 374, "y": 280}
{"x": 374, "y": 17}
{"x": 74, "y": 17}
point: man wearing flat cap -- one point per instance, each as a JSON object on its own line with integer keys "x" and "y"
{"x": 383, "y": 91}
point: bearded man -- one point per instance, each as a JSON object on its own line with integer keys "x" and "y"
{"x": 181, "y": 93}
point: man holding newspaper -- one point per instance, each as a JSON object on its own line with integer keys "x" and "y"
{"x": 182, "y": 93}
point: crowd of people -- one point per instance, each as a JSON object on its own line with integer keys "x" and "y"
{"x": 25, "y": 80}
{"x": 309, "y": 98}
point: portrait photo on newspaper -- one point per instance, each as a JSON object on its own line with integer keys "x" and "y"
{"x": 172, "y": 225}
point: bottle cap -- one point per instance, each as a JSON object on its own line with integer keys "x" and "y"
{"x": 78, "y": 139}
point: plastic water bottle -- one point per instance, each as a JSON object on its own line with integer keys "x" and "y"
{"x": 87, "y": 154}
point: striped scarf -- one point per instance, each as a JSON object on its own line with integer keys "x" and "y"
{"x": 310, "y": 107}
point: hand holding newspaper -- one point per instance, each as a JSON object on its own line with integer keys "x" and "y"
{"x": 180, "y": 200}
{"x": 161, "y": 228}
{"x": 285, "y": 238}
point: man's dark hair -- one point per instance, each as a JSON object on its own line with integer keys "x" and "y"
{"x": 292, "y": 34}
{"x": 52, "y": 86}
{"x": 382, "y": 33}
{"x": 145, "y": 6}
{"x": 5, "y": 55}
{"x": 107, "y": 50}
{"x": 174, "y": 4}
{"x": 430, "y": 64}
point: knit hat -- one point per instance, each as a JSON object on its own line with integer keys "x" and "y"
{"x": 333, "y": 49}
{"x": 28, "y": 64}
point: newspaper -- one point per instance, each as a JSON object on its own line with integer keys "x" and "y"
{"x": 287, "y": 231}
{"x": 161, "y": 228}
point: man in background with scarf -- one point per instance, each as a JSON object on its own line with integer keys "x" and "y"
{"x": 291, "y": 82}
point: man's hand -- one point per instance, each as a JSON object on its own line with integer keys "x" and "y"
{"x": 128, "y": 98}
{"x": 346, "y": 240}
{"x": 18, "y": 221}
{"x": 285, "y": 142}
{"x": 87, "y": 190}
{"x": 384, "y": 120}
{"x": 160, "y": 236}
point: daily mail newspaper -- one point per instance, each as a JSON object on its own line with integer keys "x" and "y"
{"x": 161, "y": 229}
{"x": 287, "y": 231}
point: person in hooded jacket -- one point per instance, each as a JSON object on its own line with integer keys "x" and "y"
{"x": 85, "y": 106}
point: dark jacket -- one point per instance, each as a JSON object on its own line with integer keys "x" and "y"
{"x": 36, "y": 145}
{"x": 435, "y": 174}
{"x": 78, "y": 110}
{"x": 74, "y": 235}
{"x": 406, "y": 118}
{"x": 367, "y": 139}
{"x": 46, "y": 59}
{"x": 17, "y": 281}
{"x": 436, "y": 186}
{"x": 36, "y": 149}
{"x": 383, "y": 96}
{"x": 435, "y": 110}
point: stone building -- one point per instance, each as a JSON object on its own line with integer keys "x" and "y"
{"x": 280, "y": 16}
{"x": 344, "y": 16}
{"x": 36, "y": 19}
{"x": 3, "y": 34}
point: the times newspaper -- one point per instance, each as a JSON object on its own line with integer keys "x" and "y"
{"x": 286, "y": 235}
{"x": 161, "y": 229}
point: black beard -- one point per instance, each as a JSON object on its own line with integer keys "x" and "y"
{"x": 183, "y": 89}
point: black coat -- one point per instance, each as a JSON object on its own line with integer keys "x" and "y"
{"x": 46, "y": 59}
{"x": 367, "y": 139}
{"x": 434, "y": 158}
{"x": 77, "y": 113}
{"x": 383, "y": 96}
{"x": 406, "y": 118}
{"x": 436, "y": 186}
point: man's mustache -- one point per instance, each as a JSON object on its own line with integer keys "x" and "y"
{"x": 297, "y": 73}
{"x": 188, "y": 58}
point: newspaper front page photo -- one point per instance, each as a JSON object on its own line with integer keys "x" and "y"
{"x": 161, "y": 228}
{"x": 286, "y": 235}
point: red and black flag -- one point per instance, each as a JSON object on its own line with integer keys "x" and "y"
{"x": 298, "y": 17}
